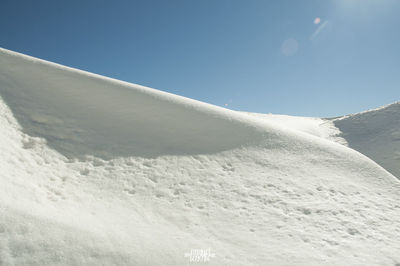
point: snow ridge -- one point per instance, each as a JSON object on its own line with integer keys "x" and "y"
{"x": 375, "y": 133}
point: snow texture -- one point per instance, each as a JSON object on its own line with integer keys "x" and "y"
{"x": 375, "y": 133}
{"x": 95, "y": 171}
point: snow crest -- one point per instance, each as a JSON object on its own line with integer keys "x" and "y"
{"x": 375, "y": 133}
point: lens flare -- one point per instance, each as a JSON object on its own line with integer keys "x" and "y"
{"x": 317, "y": 20}
{"x": 289, "y": 47}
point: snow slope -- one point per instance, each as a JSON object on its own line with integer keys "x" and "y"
{"x": 319, "y": 127}
{"x": 375, "y": 133}
{"x": 82, "y": 113}
{"x": 95, "y": 171}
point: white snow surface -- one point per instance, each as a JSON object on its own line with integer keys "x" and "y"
{"x": 375, "y": 133}
{"x": 95, "y": 171}
{"x": 319, "y": 127}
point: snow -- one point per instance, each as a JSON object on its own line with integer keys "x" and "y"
{"x": 320, "y": 127}
{"x": 95, "y": 171}
{"x": 375, "y": 133}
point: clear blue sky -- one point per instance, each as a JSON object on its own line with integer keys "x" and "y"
{"x": 260, "y": 56}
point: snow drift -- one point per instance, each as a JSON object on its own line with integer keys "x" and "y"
{"x": 96, "y": 171}
{"x": 375, "y": 133}
{"x": 82, "y": 113}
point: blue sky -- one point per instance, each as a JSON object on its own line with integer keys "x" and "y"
{"x": 260, "y": 56}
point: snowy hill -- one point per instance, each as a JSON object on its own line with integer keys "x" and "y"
{"x": 319, "y": 127}
{"x": 95, "y": 171}
{"x": 375, "y": 133}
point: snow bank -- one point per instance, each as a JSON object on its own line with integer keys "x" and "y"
{"x": 319, "y": 127}
{"x": 82, "y": 113}
{"x": 97, "y": 172}
{"x": 375, "y": 133}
